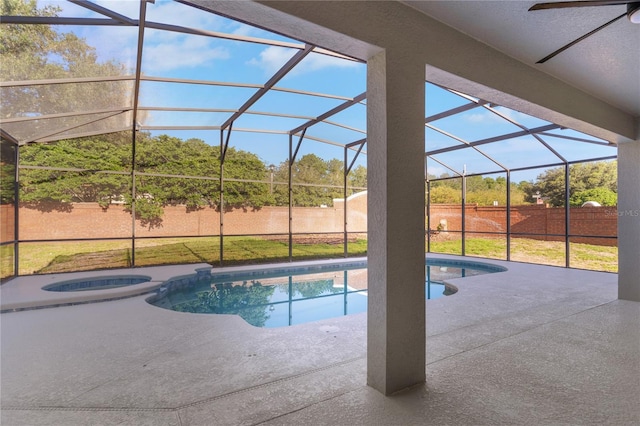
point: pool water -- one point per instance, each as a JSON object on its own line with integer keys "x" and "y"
{"x": 277, "y": 300}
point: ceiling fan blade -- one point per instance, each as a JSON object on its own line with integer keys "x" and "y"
{"x": 584, "y": 3}
{"x": 578, "y": 40}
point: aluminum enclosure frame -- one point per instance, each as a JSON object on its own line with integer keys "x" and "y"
{"x": 357, "y": 146}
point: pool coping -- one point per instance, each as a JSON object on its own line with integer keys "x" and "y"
{"x": 27, "y": 292}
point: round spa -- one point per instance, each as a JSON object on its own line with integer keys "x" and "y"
{"x": 97, "y": 283}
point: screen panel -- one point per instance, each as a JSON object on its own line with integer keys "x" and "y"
{"x": 70, "y": 256}
{"x": 595, "y": 254}
{"x": 166, "y": 251}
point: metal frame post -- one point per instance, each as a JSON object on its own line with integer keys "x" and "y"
{"x": 346, "y": 293}
{"x": 290, "y": 198}
{"x": 428, "y": 216}
{"x": 221, "y": 198}
{"x": 567, "y": 195}
{"x": 347, "y": 169}
{"x": 16, "y": 212}
{"x": 133, "y": 199}
{"x": 292, "y": 158}
{"x": 224, "y": 144}
{"x": 134, "y": 130}
{"x": 508, "y": 215}
{"x": 344, "y": 223}
{"x": 464, "y": 209}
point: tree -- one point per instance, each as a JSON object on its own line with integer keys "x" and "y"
{"x": 104, "y": 176}
{"x": 445, "y": 195}
{"x": 357, "y": 178}
{"x": 7, "y": 172}
{"x": 582, "y": 176}
{"x": 604, "y": 196}
{"x": 37, "y": 52}
{"x": 94, "y": 156}
{"x": 482, "y": 191}
{"x": 315, "y": 181}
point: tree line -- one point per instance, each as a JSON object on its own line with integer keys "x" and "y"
{"x": 594, "y": 181}
{"x": 170, "y": 171}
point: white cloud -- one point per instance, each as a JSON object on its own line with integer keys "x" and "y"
{"x": 437, "y": 170}
{"x": 185, "y": 16}
{"x": 484, "y": 117}
{"x": 273, "y": 58}
{"x": 246, "y": 30}
{"x": 316, "y": 61}
{"x": 183, "y": 52}
{"x": 487, "y": 117}
{"x": 164, "y": 50}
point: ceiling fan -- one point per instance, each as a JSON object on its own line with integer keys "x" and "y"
{"x": 633, "y": 13}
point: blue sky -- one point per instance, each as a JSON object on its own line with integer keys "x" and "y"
{"x": 176, "y": 55}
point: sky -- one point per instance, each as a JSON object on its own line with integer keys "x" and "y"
{"x": 194, "y": 57}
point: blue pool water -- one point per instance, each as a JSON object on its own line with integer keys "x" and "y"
{"x": 282, "y": 298}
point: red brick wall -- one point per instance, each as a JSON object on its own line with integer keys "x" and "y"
{"x": 7, "y": 222}
{"x": 88, "y": 220}
{"x": 535, "y": 219}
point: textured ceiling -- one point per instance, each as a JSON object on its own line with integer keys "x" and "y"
{"x": 605, "y": 65}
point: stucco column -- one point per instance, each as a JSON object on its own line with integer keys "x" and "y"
{"x": 396, "y": 255}
{"x": 629, "y": 221}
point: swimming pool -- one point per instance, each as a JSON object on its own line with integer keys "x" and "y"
{"x": 283, "y": 297}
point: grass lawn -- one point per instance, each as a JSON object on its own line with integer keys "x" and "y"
{"x": 6, "y": 261}
{"x": 88, "y": 255}
{"x": 583, "y": 256}
{"x": 42, "y": 258}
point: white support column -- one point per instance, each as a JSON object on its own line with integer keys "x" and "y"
{"x": 396, "y": 255}
{"x": 629, "y": 221}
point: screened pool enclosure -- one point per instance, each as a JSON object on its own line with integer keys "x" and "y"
{"x": 138, "y": 133}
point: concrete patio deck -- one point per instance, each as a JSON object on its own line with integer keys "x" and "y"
{"x": 533, "y": 345}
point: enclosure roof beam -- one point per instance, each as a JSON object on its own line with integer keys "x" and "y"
{"x": 355, "y": 157}
{"x": 330, "y": 113}
{"x": 573, "y": 138}
{"x": 247, "y": 39}
{"x": 61, "y": 115}
{"x": 55, "y": 20}
{"x": 291, "y": 63}
{"x": 607, "y": 158}
{"x": 136, "y": 84}
{"x": 497, "y": 138}
{"x": 515, "y": 123}
{"x": 86, "y": 134}
{"x": 104, "y": 11}
{"x": 47, "y": 82}
{"x": 444, "y": 165}
{"x": 7, "y": 136}
{"x": 242, "y": 85}
{"x": 121, "y": 20}
{"x": 454, "y": 111}
{"x": 62, "y": 130}
{"x": 295, "y": 153}
{"x": 225, "y": 145}
{"x": 467, "y": 144}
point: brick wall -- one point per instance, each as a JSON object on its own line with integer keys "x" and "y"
{"x": 88, "y": 220}
{"x": 535, "y": 219}
{"x": 7, "y": 222}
